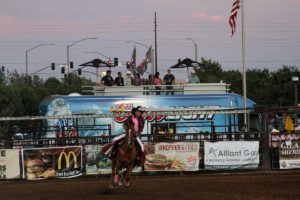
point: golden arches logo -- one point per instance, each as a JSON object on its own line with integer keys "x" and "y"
{"x": 67, "y": 159}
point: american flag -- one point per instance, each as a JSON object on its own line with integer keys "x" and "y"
{"x": 143, "y": 66}
{"x": 233, "y": 15}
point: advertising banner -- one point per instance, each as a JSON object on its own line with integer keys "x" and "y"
{"x": 58, "y": 162}
{"x": 178, "y": 156}
{"x": 9, "y": 163}
{"x": 231, "y": 155}
{"x": 96, "y": 162}
{"x": 289, "y": 154}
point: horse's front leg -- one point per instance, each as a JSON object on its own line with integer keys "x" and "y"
{"x": 116, "y": 172}
{"x": 113, "y": 170}
{"x": 127, "y": 175}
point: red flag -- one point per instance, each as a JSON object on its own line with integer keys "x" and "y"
{"x": 233, "y": 16}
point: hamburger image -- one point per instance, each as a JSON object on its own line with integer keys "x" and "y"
{"x": 34, "y": 168}
{"x": 157, "y": 162}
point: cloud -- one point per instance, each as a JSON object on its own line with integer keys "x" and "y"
{"x": 216, "y": 18}
{"x": 207, "y": 16}
{"x": 199, "y": 14}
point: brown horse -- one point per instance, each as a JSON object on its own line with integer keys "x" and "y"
{"x": 125, "y": 157}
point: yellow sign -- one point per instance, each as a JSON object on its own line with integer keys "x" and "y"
{"x": 67, "y": 159}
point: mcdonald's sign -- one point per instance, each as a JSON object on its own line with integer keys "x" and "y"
{"x": 67, "y": 158}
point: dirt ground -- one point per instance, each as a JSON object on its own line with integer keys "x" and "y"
{"x": 275, "y": 185}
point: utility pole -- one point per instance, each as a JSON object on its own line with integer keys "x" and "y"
{"x": 155, "y": 32}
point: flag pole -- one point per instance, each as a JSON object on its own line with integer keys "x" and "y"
{"x": 244, "y": 64}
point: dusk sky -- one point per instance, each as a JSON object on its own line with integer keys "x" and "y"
{"x": 272, "y": 32}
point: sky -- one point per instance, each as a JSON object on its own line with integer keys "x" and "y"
{"x": 272, "y": 32}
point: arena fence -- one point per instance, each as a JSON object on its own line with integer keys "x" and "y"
{"x": 262, "y": 150}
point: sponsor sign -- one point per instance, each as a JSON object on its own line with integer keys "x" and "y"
{"x": 96, "y": 162}
{"x": 231, "y": 155}
{"x": 179, "y": 156}
{"x": 289, "y": 154}
{"x": 9, "y": 163}
{"x": 58, "y": 162}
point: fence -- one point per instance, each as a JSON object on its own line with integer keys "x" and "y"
{"x": 272, "y": 154}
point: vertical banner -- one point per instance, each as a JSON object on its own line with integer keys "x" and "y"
{"x": 96, "y": 162}
{"x": 179, "y": 156}
{"x": 58, "y": 162}
{"x": 9, "y": 163}
{"x": 231, "y": 155}
{"x": 289, "y": 154}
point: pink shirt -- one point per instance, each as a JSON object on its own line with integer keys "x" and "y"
{"x": 136, "y": 124}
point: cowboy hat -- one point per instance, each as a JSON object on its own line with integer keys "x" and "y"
{"x": 138, "y": 108}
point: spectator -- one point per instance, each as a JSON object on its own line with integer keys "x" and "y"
{"x": 157, "y": 82}
{"x": 137, "y": 81}
{"x": 128, "y": 79}
{"x": 193, "y": 79}
{"x": 119, "y": 80}
{"x": 169, "y": 80}
{"x": 107, "y": 80}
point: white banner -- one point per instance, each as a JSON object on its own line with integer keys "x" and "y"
{"x": 231, "y": 155}
{"x": 9, "y": 163}
{"x": 289, "y": 154}
{"x": 179, "y": 156}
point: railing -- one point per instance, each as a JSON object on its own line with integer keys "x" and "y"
{"x": 202, "y": 88}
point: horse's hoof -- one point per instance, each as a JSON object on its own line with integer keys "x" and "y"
{"x": 120, "y": 183}
{"x": 116, "y": 180}
{"x": 126, "y": 184}
{"x": 111, "y": 186}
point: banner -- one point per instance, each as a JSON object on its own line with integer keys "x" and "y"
{"x": 9, "y": 163}
{"x": 179, "y": 156}
{"x": 96, "y": 162}
{"x": 231, "y": 155}
{"x": 58, "y": 162}
{"x": 289, "y": 154}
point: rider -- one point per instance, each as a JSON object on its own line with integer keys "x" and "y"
{"x": 138, "y": 122}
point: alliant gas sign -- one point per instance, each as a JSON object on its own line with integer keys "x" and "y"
{"x": 231, "y": 155}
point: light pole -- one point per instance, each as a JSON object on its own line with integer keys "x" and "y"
{"x": 196, "y": 54}
{"x": 295, "y": 79}
{"x": 68, "y": 47}
{"x": 138, "y": 43}
{"x": 27, "y": 51}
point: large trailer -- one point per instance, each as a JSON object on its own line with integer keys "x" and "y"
{"x": 204, "y": 119}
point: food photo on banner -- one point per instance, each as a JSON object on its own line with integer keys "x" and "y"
{"x": 97, "y": 162}
{"x": 231, "y": 155}
{"x": 58, "y": 162}
{"x": 289, "y": 154}
{"x": 9, "y": 163}
{"x": 179, "y": 156}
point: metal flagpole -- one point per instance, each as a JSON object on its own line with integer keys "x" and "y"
{"x": 243, "y": 62}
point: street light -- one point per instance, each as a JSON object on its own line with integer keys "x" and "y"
{"x": 138, "y": 43}
{"x": 68, "y": 47}
{"x": 95, "y": 52}
{"x": 196, "y": 54}
{"x": 26, "y": 53}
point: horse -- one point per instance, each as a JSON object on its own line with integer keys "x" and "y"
{"x": 125, "y": 157}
